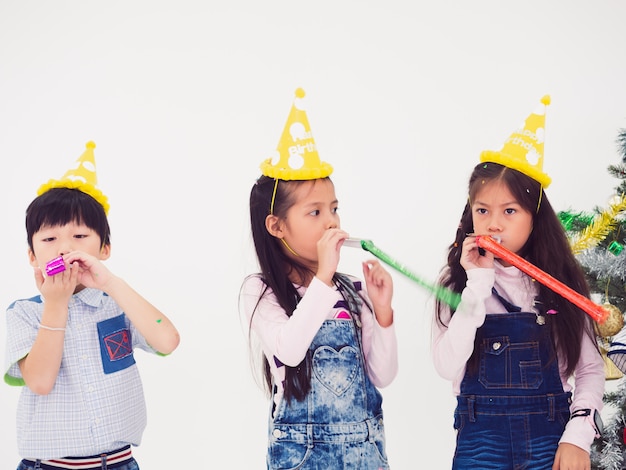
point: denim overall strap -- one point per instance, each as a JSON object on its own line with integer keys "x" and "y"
{"x": 512, "y": 409}
{"x": 339, "y": 423}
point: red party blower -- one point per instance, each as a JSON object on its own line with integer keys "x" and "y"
{"x": 597, "y": 312}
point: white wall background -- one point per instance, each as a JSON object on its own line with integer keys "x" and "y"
{"x": 184, "y": 100}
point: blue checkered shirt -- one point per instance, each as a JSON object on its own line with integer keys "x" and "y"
{"x": 91, "y": 409}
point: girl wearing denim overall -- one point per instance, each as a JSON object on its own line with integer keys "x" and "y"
{"x": 523, "y": 361}
{"x": 327, "y": 341}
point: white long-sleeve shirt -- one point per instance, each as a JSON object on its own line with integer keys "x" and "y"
{"x": 453, "y": 346}
{"x": 288, "y": 338}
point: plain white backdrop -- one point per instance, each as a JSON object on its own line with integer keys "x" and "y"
{"x": 185, "y": 99}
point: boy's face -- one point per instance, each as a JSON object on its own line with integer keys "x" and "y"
{"x": 50, "y": 242}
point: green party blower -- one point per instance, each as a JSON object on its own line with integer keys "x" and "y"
{"x": 442, "y": 293}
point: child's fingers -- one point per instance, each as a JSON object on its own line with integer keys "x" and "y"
{"x": 373, "y": 270}
{"x": 39, "y": 278}
{"x": 74, "y": 271}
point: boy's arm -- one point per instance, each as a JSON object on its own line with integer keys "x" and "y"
{"x": 153, "y": 325}
{"x": 41, "y": 366}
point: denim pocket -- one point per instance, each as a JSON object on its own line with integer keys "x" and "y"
{"x": 509, "y": 365}
{"x": 378, "y": 436}
{"x": 116, "y": 345}
{"x": 336, "y": 370}
{"x": 286, "y": 455}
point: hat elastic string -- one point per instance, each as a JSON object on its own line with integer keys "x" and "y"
{"x": 288, "y": 247}
{"x": 273, "y": 196}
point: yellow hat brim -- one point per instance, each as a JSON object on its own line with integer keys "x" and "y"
{"x": 516, "y": 164}
{"x": 81, "y": 186}
{"x": 288, "y": 174}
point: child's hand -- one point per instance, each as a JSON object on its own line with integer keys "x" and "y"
{"x": 328, "y": 248}
{"x": 571, "y": 457}
{"x": 91, "y": 271}
{"x": 58, "y": 288}
{"x": 471, "y": 257}
{"x": 380, "y": 291}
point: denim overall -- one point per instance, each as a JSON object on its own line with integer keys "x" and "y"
{"x": 512, "y": 411}
{"x": 339, "y": 424}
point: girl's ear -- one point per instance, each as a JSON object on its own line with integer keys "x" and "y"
{"x": 274, "y": 226}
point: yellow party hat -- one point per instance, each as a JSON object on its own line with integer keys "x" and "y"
{"x": 296, "y": 156}
{"x": 82, "y": 177}
{"x": 523, "y": 151}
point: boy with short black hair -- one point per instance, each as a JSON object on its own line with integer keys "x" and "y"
{"x": 72, "y": 346}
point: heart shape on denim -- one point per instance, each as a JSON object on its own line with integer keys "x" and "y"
{"x": 336, "y": 370}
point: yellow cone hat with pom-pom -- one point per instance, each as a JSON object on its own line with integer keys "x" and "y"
{"x": 523, "y": 150}
{"x": 81, "y": 176}
{"x": 296, "y": 156}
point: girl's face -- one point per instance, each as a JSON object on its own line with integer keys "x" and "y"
{"x": 496, "y": 212}
{"x": 314, "y": 212}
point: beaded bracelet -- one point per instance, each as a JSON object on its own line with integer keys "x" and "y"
{"x": 49, "y": 328}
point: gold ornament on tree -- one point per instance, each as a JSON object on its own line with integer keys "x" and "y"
{"x": 613, "y": 325}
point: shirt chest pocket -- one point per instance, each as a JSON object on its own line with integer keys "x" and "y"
{"x": 508, "y": 365}
{"x": 116, "y": 346}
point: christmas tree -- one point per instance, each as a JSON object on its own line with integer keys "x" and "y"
{"x": 598, "y": 240}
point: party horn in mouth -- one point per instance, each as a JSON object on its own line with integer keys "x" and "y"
{"x": 444, "y": 294}
{"x": 55, "y": 266}
{"x": 597, "y": 312}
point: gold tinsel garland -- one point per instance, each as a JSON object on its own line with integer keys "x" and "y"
{"x": 600, "y": 228}
{"x": 590, "y": 236}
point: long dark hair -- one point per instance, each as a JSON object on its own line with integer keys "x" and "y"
{"x": 278, "y": 270}
{"x": 547, "y": 248}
